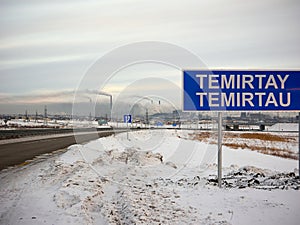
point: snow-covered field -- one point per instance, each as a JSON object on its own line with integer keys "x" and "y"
{"x": 153, "y": 177}
{"x": 20, "y": 123}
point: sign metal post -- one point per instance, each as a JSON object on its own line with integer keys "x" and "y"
{"x": 219, "y": 149}
{"x": 127, "y": 130}
{"x": 127, "y": 119}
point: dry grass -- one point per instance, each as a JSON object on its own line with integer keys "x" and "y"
{"x": 203, "y": 136}
{"x": 266, "y": 137}
{"x": 263, "y": 138}
{"x": 284, "y": 153}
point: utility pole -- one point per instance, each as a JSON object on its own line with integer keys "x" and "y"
{"x": 26, "y": 116}
{"x": 147, "y": 117}
{"x": 45, "y": 115}
{"x": 110, "y": 107}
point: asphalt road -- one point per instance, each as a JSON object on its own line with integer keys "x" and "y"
{"x": 16, "y": 153}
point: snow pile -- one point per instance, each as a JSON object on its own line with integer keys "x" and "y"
{"x": 150, "y": 177}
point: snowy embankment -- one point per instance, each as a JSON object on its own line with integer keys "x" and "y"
{"x": 153, "y": 177}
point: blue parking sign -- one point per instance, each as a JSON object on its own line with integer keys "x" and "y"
{"x": 127, "y": 118}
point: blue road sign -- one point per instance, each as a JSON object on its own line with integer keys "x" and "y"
{"x": 127, "y": 118}
{"x": 226, "y": 90}
{"x": 159, "y": 123}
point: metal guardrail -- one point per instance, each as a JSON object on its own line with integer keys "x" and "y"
{"x": 18, "y": 133}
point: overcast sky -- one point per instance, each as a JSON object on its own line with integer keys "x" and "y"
{"x": 46, "y": 46}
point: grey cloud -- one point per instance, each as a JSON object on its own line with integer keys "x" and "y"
{"x": 62, "y": 96}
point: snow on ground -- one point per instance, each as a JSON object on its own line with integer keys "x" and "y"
{"x": 20, "y": 123}
{"x": 150, "y": 177}
{"x": 284, "y": 127}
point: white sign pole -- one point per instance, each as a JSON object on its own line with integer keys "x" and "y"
{"x": 220, "y": 149}
{"x": 127, "y": 127}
